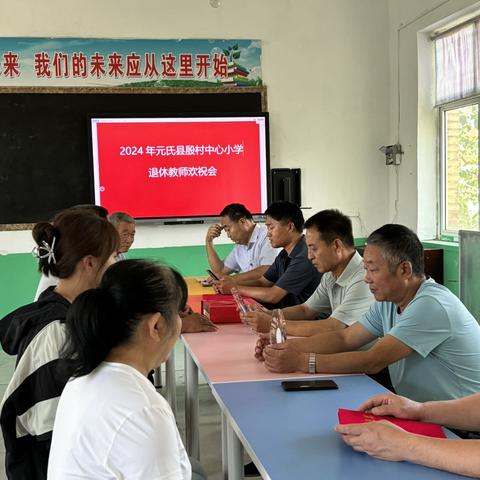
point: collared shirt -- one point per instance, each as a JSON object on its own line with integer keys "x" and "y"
{"x": 345, "y": 298}
{"x": 444, "y": 337}
{"x": 256, "y": 253}
{"x": 295, "y": 274}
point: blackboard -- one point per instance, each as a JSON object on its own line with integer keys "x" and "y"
{"x": 44, "y": 150}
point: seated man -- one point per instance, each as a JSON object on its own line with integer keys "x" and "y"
{"x": 125, "y": 226}
{"x": 252, "y": 253}
{"x": 388, "y": 442}
{"x": 292, "y": 278}
{"x": 342, "y": 293}
{"x": 427, "y": 337}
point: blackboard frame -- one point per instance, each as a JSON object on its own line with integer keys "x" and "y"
{"x": 227, "y": 97}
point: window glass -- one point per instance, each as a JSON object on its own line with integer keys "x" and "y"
{"x": 460, "y": 169}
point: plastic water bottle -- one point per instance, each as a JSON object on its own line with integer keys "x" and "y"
{"x": 278, "y": 333}
{"x": 242, "y": 307}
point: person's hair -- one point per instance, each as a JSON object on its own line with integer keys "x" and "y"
{"x": 72, "y": 235}
{"x": 96, "y": 209}
{"x": 235, "y": 212}
{"x": 332, "y": 224}
{"x": 103, "y": 318}
{"x": 286, "y": 212}
{"x": 397, "y": 244}
{"x": 182, "y": 303}
{"x": 117, "y": 217}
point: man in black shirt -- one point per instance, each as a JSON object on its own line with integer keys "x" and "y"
{"x": 292, "y": 278}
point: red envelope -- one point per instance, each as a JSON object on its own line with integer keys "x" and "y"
{"x": 412, "y": 426}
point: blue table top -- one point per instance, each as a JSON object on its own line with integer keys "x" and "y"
{"x": 290, "y": 434}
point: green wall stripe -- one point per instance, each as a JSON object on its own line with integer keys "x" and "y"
{"x": 189, "y": 261}
{"x": 19, "y": 277}
{"x": 18, "y": 281}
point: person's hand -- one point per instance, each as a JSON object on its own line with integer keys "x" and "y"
{"x": 225, "y": 285}
{"x": 262, "y": 342}
{"x": 282, "y": 358}
{"x": 258, "y": 320}
{"x": 213, "y": 231}
{"x": 206, "y": 282}
{"x": 395, "y": 405}
{"x": 378, "y": 439}
{"x": 194, "y": 323}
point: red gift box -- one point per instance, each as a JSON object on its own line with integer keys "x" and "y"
{"x": 222, "y": 308}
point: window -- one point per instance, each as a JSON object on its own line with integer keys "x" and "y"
{"x": 457, "y": 60}
{"x": 460, "y": 168}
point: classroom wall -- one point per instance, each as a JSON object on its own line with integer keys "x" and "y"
{"x": 325, "y": 64}
{"x": 413, "y": 121}
{"x": 337, "y": 72}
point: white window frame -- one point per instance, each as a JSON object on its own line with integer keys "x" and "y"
{"x": 443, "y": 109}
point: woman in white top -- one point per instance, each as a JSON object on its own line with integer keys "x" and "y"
{"x": 111, "y": 423}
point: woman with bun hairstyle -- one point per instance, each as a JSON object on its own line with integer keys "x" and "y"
{"x": 50, "y": 280}
{"x": 77, "y": 247}
{"x": 111, "y": 423}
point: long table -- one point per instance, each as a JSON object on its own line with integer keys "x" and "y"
{"x": 222, "y": 356}
{"x": 287, "y": 434}
{"x": 290, "y": 434}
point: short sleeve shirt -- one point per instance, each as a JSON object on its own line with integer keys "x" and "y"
{"x": 256, "y": 253}
{"x": 112, "y": 424}
{"x": 444, "y": 337}
{"x": 295, "y": 274}
{"x": 345, "y": 298}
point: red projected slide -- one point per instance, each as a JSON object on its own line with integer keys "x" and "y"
{"x": 179, "y": 167}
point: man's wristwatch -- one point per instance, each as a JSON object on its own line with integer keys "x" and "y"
{"x": 312, "y": 363}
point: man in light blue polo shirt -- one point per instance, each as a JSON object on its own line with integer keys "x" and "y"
{"x": 252, "y": 253}
{"x": 427, "y": 338}
{"x": 444, "y": 339}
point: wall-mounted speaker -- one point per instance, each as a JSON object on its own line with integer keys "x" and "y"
{"x": 286, "y": 185}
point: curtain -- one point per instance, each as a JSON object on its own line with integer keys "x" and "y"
{"x": 456, "y": 59}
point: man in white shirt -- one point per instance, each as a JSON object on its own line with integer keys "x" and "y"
{"x": 252, "y": 253}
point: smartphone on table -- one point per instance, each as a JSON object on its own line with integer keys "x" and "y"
{"x": 313, "y": 384}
